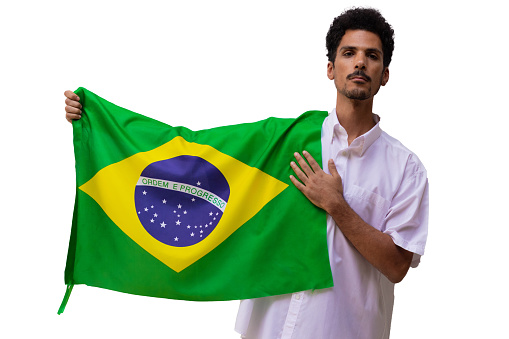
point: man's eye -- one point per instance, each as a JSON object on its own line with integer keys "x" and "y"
{"x": 347, "y": 53}
{"x": 373, "y": 56}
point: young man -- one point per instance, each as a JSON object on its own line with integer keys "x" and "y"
{"x": 374, "y": 190}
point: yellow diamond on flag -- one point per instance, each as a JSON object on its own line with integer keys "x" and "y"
{"x": 113, "y": 188}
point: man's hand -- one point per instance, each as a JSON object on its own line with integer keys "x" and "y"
{"x": 320, "y": 188}
{"x": 73, "y": 106}
{"x": 326, "y": 191}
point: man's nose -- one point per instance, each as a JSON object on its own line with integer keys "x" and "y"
{"x": 360, "y": 62}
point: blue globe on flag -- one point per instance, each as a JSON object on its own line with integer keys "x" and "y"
{"x": 180, "y": 201}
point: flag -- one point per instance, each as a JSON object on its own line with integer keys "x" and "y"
{"x": 204, "y": 215}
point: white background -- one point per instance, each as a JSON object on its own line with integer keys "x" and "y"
{"x": 209, "y": 63}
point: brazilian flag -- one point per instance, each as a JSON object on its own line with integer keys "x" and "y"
{"x": 204, "y": 215}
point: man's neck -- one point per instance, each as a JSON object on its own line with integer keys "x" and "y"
{"x": 356, "y": 116}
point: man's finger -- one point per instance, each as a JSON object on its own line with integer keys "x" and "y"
{"x": 303, "y": 164}
{"x": 297, "y": 183}
{"x": 71, "y": 95}
{"x": 301, "y": 175}
{"x": 73, "y": 110}
{"x": 312, "y": 162}
{"x": 332, "y": 168}
{"x": 73, "y": 103}
{"x": 71, "y": 116}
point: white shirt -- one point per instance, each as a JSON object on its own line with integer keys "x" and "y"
{"x": 386, "y": 185}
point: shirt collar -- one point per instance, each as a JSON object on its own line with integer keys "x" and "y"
{"x": 362, "y": 143}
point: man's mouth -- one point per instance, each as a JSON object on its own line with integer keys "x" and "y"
{"x": 359, "y": 76}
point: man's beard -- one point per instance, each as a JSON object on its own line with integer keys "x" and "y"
{"x": 356, "y": 94}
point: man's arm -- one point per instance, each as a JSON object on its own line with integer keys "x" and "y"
{"x": 326, "y": 191}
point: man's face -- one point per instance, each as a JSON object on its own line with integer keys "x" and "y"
{"x": 358, "y": 70}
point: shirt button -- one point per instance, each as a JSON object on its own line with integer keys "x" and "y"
{"x": 345, "y": 153}
{"x": 297, "y": 296}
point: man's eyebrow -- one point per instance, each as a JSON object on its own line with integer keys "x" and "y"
{"x": 347, "y": 47}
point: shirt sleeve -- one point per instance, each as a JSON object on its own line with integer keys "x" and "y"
{"x": 407, "y": 219}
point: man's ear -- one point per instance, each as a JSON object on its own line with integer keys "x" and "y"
{"x": 385, "y": 76}
{"x": 330, "y": 70}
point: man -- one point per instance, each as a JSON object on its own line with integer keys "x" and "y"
{"x": 374, "y": 190}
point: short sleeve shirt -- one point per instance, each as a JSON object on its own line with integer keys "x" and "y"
{"x": 387, "y": 186}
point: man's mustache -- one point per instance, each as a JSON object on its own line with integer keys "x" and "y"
{"x": 358, "y": 73}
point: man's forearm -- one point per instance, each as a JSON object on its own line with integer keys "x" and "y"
{"x": 376, "y": 247}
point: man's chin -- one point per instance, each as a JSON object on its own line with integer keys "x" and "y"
{"x": 357, "y": 94}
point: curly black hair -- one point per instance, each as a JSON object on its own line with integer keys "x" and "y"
{"x": 368, "y": 19}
